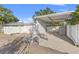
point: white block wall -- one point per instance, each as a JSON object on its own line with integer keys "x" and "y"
{"x": 16, "y": 29}
{"x": 73, "y": 33}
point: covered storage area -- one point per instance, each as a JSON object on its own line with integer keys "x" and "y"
{"x": 45, "y": 20}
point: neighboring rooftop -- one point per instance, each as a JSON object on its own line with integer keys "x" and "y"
{"x": 18, "y": 24}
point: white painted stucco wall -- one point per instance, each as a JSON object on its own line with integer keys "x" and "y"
{"x": 26, "y": 29}
{"x": 73, "y": 33}
{"x": 16, "y": 29}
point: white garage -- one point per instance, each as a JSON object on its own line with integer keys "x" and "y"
{"x": 17, "y": 27}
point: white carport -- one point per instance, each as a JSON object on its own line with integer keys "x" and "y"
{"x": 42, "y": 21}
{"x": 72, "y": 31}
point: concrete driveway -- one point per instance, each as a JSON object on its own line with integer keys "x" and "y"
{"x": 59, "y": 43}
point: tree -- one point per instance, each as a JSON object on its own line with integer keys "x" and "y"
{"x": 6, "y": 16}
{"x": 43, "y": 12}
{"x": 75, "y": 17}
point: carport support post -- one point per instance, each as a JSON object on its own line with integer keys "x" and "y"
{"x": 65, "y": 26}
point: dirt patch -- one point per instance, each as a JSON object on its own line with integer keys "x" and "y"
{"x": 14, "y": 44}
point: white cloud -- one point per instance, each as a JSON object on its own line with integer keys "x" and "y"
{"x": 29, "y": 20}
{"x": 65, "y": 10}
{"x": 26, "y": 20}
{"x": 59, "y": 4}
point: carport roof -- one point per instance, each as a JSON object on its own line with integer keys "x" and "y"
{"x": 55, "y": 16}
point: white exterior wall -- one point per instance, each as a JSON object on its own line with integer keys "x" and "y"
{"x": 26, "y": 29}
{"x": 23, "y": 29}
{"x": 73, "y": 33}
{"x": 11, "y": 29}
{"x": 16, "y": 29}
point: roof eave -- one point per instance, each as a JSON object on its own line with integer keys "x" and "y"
{"x": 52, "y": 14}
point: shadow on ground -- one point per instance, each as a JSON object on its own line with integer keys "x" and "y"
{"x": 11, "y": 47}
{"x": 62, "y": 36}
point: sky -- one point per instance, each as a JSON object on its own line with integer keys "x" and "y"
{"x": 24, "y": 12}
